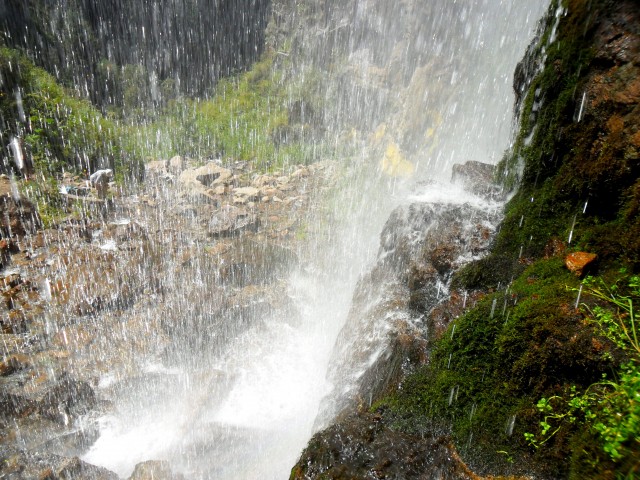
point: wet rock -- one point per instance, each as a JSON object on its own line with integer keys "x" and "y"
{"x": 19, "y": 464}
{"x": 176, "y": 164}
{"x": 14, "y": 363}
{"x": 31, "y": 391}
{"x": 200, "y": 183}
{"x": 156, "y": 167}
{"x": 477, "y": 178}
{"x": 362, "y": 447}
{"x": 249, "y": 193}
{"x": 7, "y": 248}
{"x": 263, "y": 181}
{"x": 421, "y": 245}
{"x": 204, "y": 176}
{"x": 250, "y": 262}
{"x": 17, "y": 216}
{"x": 579, "y": 262}
{"x": 154, "y": 470}
{"x": 300, "y": 173}
{"x": 68, "y": 398}
{"x": 230, "y": 220}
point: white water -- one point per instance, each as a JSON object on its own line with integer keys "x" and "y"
{"x": 248, "y": 411}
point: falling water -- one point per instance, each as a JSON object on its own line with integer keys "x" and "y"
{"x": 247, "y": 410}
{"x": 412, "y": 87}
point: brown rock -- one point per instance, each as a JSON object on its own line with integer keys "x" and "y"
{"x": 14, "y": 363}
{"x": 19, "y": 216}
{"x": 154, "y": 470}
{"x": 577, "y": 262}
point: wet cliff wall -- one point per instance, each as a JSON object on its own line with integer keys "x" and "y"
{"x": 161, "y": 48}
{"x": 539, "y": 377}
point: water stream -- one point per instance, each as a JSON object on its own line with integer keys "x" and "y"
{"x": 240, "y": 401}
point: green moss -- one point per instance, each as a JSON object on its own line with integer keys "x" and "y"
{"x": 61, "y": 132}
{"x": 490, "y": 367}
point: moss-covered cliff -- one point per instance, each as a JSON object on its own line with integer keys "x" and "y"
{"x": 541, "y": 376}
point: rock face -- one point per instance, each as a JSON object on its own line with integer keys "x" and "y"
{"x": 18, "y": 464}
{"x": 386, "y": 333}
{"x": 478, "y": 178}
{"x": 361, "y": 447}
{"x": 575, "y": 161}
{"x": 154, "y": 470}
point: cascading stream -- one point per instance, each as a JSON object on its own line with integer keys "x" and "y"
{"x": 236, "y": 395}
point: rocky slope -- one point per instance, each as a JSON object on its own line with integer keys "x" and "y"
{"x": 81, "y": 296}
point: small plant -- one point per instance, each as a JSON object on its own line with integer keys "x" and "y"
{"x": 610, "y": 407}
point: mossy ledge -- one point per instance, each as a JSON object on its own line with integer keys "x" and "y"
{"x": 573, "y": 171}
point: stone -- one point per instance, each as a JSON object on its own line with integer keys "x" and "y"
{"x": 263, "y": 180}
{"x": 69, "y": 397}
{"x": 363, "y": 446}
{"x": 156, "y": 167}
{"x": 477, "y": 178}
{"x": 15, "y": 463}
{"x": 176, "y": 164}
{"x": 579, "y": 262}
{"x": 18, "y": 216}
{"x": 246, "y": 192}
{"x": 231, "y": 220}
{"x": 204, "y": 176}
{"x": 300, "y": 173}
{"x": 270, "y": 192}
{"x": 14, "y": 363}
{"x": 154, "y": 470}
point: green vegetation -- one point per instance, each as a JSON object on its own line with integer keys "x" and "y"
{"x": 610, "y": 408}
{"x": 248, "y": 118}
{"x": 61, "y": 132}
{"x": 257, "y": 116}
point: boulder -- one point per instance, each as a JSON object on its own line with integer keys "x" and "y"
{"x": 156, "y": 167}
{"x": 176, "y": 164}
{"x": 154, "y": 470}
{"x": 231, "y": 220}
{"x": 18, "y": 216}
{"x": 250, "y": 193}
{"x": 578, "y": 262}
{"x": 363, "y": 446}
{"x": 68, "y": 398}
{"x": 204, "y": 176}
{"x": 25, "y": 391}
{"x": 14, "y": 363}
{"x": 16, "y": 464}
{"x": 477, "y": 178}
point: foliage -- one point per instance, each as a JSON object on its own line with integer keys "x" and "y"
{"x": 609, "y": 407}
{"x": 248, "y": 118}
{"x": 61, "y": 132}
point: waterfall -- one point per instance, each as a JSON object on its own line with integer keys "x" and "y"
{"x": 227, "y": 386}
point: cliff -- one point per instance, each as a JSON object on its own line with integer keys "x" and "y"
{"x": 539, "y": 377}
